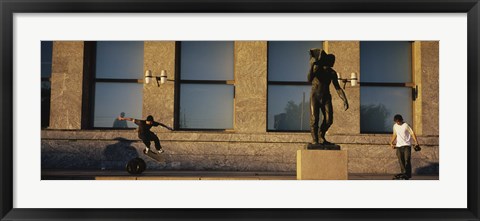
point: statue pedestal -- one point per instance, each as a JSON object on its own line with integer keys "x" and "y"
{"x": 322, "y": 147}
{"x": 322, "y": 165}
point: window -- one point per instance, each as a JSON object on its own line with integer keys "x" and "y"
{"x": 118, "y": 83}
{"x": 206, "y": 85}
{"x": 46, "y": 73}
{"x": 386, "y": 84}
{"x": 288, "y": 89}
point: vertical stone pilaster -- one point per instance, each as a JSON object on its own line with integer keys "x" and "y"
{"x": 430, "y": 87}
{"x": 417, "y": 80}
{"x": 158, "y": 101}
{"x": 250, "y": 86}
{"x": 347, "y": 60}
{"x": 66, "y": 85}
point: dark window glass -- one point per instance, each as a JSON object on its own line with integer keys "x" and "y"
{"x": 206, "y": 106}
{"x": 288, "y": 89}
{"x": 119, "y": 65}
{"x": 386, "y": 68}
{"x": 380, "y": 104}
{"x": 289, "y": 60}
{"x": 45, "y": 94}
{"x": 113, "y": 98}
{"x": 206, "y": 85}
{"x": 386, "y": 61}
{"x": 46, "y": 72}
{"x": 119, "y": 59}
{"x": 207, "y": 60}
{"x": 288, "y": 107}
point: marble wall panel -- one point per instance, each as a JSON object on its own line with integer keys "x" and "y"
{"x": 250, "y": 86}
{"x": 66, "y": 85}
{"x": 158, "y": 101}
{"x": 430, "y": 87}
{"x": 347, "y": 60}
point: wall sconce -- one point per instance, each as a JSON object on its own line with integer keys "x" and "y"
{"x": 353, "y": 79}
{"x": 162, "y": 78}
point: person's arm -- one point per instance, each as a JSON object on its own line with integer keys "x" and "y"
{"x": 163, "y": 125}
{"x": 127, "y": 118}
{"x": 413, "y": 135}
{"x": 339, "y": 89}
{"x": 394, "y": 137}
{"x": 135, "y": 121}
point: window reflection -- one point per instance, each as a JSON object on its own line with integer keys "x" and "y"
{"x": 289, "y": 60}
{"x": 206, "y": 106}
{"x": 46, "y": 58}
{"x": 380, "y": 104}
{"x": 386, "y": 61}
{"x": 45, "y": 103}
{"x": 288, "y": 90}
{"x": 113, "y": 98}
{"x": 119, "y": 59}
{"x": 207, "y": 60}
{"x": 288, "y": 107}
{"x": 46, "y": 48}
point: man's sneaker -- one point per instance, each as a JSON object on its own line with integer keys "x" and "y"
{"x": 146, "y": 150}
{"x": 160, "y": 151}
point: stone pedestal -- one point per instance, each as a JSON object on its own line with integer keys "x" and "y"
{"x": 322, "y": 165}
{"x": 322, "y": 147}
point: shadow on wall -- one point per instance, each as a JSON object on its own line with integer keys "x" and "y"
{"x": 116, "y": 156}
{"x": 432, "y": 168}
{"x": 373, "y": 118}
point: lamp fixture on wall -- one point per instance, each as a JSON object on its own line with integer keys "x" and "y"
{"x": 353, "y": 79}
{"x": 162, "y": 78}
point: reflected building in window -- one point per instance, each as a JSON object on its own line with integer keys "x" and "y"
{"x": 206, "y": 85}
{"x": 288, "y": 88}
{"x": 118, "y": 87}
{"x": 386, "y": 73}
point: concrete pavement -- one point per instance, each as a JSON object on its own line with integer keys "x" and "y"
{"x": 199, "y": 175}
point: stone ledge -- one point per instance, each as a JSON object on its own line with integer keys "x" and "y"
{"x": 269, "y": 137}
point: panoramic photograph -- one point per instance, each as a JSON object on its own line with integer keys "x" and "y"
{"x": 240, "y": 110}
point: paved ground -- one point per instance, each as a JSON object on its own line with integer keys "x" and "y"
{"x": 200, "y": 175}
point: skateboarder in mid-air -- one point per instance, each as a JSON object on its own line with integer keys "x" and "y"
{"x": 145, "y": 134}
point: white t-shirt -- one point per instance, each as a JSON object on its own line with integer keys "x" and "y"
{"x": 403, "y": 134}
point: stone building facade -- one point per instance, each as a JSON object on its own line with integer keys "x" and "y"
{"x": 69, "y": 143}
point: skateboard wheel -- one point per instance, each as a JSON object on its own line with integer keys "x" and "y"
{"x": 135, "y": 166}
{"x": 142, "y": 165}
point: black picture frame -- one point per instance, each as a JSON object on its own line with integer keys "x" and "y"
{"x": 9, "y": 7}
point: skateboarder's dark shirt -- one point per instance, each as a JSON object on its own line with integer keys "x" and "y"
{"x": 143, "y": 127}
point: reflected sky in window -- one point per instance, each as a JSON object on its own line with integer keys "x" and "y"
{"x": 206, "y": 60}
{"x": 385, "y": 61}
{"x": 119, "y": 59}
{"x": 289, "y": 60}
{"x": 206, "y": 106}
{"x": 113, "y": 98}
{"x": 46, "y": 58}
{"x": 285, "y": 109}
{"x": 380, "y": 104}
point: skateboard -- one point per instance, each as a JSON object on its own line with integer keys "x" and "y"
{"x": 155, "y": 155}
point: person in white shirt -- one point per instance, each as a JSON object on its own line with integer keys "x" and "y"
{"x": 402, "y": 136}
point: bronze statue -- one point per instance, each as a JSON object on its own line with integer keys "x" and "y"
{"x": 321, "y": 74}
